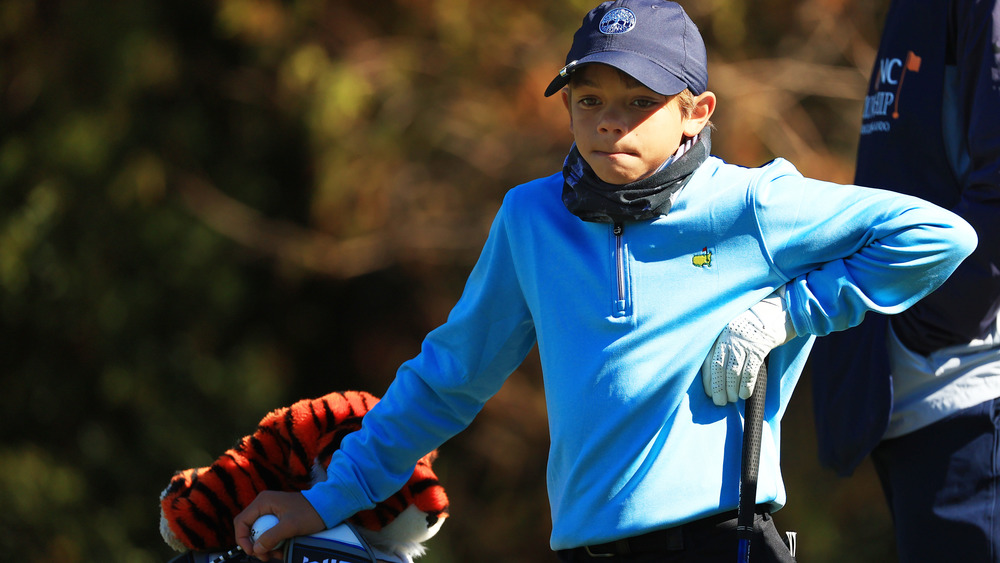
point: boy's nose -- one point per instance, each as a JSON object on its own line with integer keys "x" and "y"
{"x": 612, "y": 122}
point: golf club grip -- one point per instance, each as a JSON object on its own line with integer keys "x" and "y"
{"x": 750, "y": 462}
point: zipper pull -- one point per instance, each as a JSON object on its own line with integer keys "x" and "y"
{"x": 619, "y": 229}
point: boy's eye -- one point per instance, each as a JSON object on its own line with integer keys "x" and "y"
{"x": 589, "y": 101}
{"x": 643, "y": 103}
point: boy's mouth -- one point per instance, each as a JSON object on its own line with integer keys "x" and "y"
{"x": 616, "y": 151}
{"x": 615, "y": 155}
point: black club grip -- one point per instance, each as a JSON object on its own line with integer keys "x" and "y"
{"x": 750, "y": 461}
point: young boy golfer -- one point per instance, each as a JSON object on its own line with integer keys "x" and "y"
{"x": 626, "y": 268}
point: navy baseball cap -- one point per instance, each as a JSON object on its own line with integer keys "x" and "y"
{"x": 653, "y": 41}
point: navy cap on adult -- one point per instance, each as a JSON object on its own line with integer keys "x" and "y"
{"x": 653, "y": 41}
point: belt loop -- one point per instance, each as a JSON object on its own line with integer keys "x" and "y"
{"x": 592, "y": 554}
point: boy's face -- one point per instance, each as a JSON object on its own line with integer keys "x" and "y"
{"x": 624, "y": 130}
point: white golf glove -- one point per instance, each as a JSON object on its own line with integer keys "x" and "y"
{"x": 730, "y": 370}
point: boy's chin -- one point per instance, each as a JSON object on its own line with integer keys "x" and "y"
{"x": 624, "y": 171}
{"x": 620, "y": 178}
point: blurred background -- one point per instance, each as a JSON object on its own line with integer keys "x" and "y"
{"x": 213, "y": 208}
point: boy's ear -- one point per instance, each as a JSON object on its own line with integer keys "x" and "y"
{"x": 704, "y": 107}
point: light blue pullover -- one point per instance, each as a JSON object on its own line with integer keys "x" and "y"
{"x": 623, "y": 324}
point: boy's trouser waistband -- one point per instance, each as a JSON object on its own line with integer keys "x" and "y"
{"x": 668, "y": 539}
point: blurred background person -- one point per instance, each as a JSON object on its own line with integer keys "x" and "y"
{"x": 919, "y": 390}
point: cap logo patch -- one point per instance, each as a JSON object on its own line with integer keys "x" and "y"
{"x": 619, "y": 20}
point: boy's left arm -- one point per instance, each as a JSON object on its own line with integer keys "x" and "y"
{"x": 730, "y": 370}
{"x": 844, "y": 251}
{"x": 850, "y": 250}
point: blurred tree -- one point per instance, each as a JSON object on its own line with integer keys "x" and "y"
{"x": 212, "y": 209}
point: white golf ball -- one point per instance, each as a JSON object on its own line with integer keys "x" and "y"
{"x": 261, "y": 525}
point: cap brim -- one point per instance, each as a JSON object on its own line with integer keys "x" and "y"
{"x": 557, "y": 84}
{"x": 650, "y": 74}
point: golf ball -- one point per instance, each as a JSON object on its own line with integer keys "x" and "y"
{"x": 263, "y": 524}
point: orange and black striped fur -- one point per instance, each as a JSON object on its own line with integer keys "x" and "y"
{"x": 289, "y": 451}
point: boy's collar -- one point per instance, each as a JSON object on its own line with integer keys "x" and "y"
{"x": 685, "y": 146}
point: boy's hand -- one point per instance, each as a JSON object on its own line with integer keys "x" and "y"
{"x": 730, "y": 370}
{"x": 296, "y": 517}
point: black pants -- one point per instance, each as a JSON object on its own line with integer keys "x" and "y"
{"x": 702, "y": 543}
{"x": 942, "y": 483}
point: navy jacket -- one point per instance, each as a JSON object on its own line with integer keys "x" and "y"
{"x": 931, "y": 128}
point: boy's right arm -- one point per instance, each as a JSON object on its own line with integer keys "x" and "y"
{"x": 434, "y": 396}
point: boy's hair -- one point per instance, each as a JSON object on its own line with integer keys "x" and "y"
{"x": 685, "y": 98}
